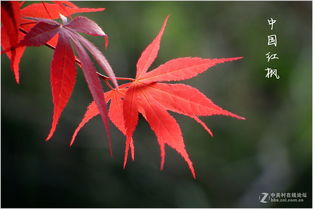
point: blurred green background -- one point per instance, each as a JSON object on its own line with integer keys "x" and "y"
{"x": 269, "y": 152}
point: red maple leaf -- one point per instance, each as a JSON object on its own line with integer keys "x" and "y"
{"x": 63, "y": 71}
{"x": 14, "y": 24}
{"x": 145, "y": 95}
{"x": 10, "y": 36}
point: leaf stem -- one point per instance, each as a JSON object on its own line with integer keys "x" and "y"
{"x": 108, "y": 84}
{"x": 79, "y": 63}
{"x": 125, "y": 79}
{"x": 117, "y": 78}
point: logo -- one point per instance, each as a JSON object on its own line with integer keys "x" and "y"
{"x": 275, "y": 197}
{"x": 263, "y": 197}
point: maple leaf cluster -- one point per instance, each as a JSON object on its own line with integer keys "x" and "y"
{"x": 34, "y": 25}
{"x": 147, "y": 94}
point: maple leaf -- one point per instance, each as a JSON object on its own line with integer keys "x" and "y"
{"x": 63, "y": 72}
{"x": 147, "y": 96}
{"x": 11, "y": 18}
{"x": 52, "y": 10}
{"x": 14, "y": 24}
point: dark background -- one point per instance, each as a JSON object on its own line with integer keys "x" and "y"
{"x": 269, "y": 152}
